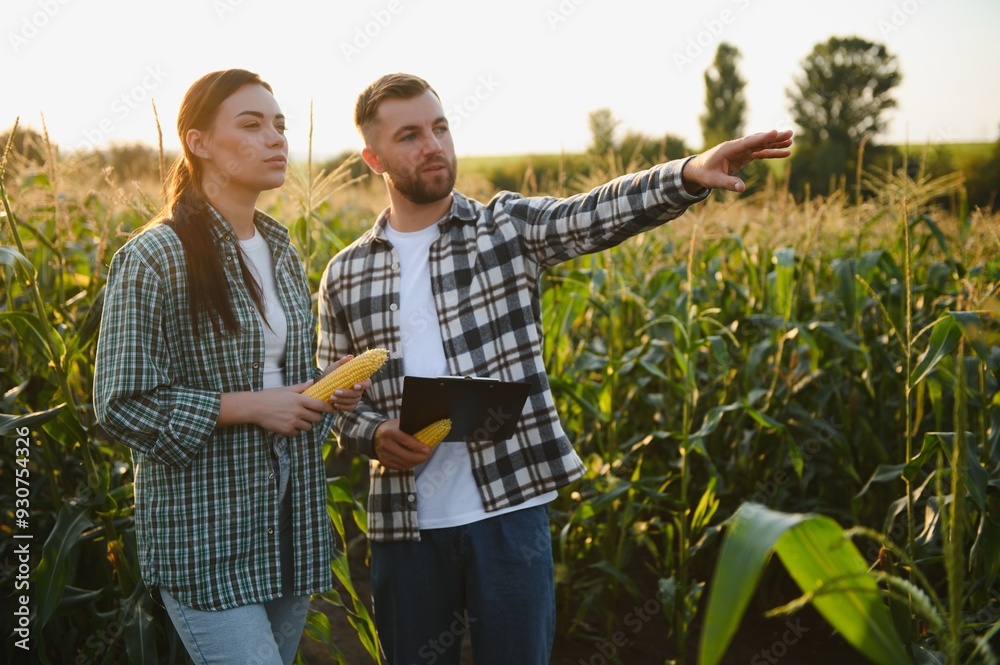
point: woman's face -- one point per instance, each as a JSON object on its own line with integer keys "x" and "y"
{"x": 245, "y": 148}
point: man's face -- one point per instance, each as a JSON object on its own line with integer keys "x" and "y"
{"x": 410, "y": 143}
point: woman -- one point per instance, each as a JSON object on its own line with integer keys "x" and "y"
{"x": 207, "y": 342}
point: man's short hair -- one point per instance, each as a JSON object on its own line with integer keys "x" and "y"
{"x": 390, "y": 86}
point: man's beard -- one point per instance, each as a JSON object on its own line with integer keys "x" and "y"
{"x": 417, "y": 190}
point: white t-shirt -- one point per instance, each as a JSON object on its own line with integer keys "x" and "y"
{"x": 447, "y": 494}
{"x": 276, "y": 327}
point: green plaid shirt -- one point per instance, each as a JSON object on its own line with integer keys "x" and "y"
{"x": 206, "y": 510}
{"x": 486, "y": 268}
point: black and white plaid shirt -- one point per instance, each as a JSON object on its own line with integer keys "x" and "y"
{"x": 485, "y": 272}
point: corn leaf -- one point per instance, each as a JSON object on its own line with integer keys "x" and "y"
{"x": 817, "y": 557}
{"x": 9, "y": 423}
{"x": 55, "y": 568}
{"x": 825, "y": 565}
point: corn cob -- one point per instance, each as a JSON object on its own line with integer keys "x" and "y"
{"x": 355, "y": 370}
{"x": 434, "y": 433}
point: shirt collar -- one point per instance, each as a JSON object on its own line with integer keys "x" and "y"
{"x": 274, "y": 233}
{"x": 463, "y": 211}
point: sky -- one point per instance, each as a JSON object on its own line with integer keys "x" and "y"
{"x": 515, "y": 77}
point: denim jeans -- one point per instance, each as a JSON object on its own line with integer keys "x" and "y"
{"x": 493, "y": 579}
{"x": 261, "y": 634}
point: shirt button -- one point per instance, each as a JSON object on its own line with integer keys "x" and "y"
{"x": 256, "y": 365}
{"x": 395, "y": 354}
{"x": 270, "y": 531}
{"x": 393, "y": 307}
{"x": 411, "y": 498}
{"x": 395, "y": 266}
{"x": 229, "y": 257}
{"x": 270, "y": 476}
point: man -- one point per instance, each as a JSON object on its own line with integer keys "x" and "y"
{"x": 451, "y": 287}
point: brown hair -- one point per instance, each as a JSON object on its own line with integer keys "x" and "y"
{"x": 186, "y": 211}
{"x": 390, "y": 86}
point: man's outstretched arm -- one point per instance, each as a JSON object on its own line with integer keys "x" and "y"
{"x": 714, "y": 168}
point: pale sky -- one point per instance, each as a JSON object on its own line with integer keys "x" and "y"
{"x": 517, "y": 76}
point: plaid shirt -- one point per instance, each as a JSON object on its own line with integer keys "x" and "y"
{"x": 206, "y": 510}
{"x": 485, "y": 271}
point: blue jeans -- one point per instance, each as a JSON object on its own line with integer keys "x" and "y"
{"x": 265, "y": 633}
{"x": 493, "y": 579}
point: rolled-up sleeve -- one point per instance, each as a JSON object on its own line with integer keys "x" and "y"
{"x": 136, "y": 398}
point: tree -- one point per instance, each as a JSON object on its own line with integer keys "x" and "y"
{"x": 642, "y": 151}
{"x": 983, "y": 180}
{"x": 725, "y": 103}
{"x": 602, "y": 131}
{"x": 840, "y": 98}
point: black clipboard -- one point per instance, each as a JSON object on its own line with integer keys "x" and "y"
{"x": 480, "y": 408}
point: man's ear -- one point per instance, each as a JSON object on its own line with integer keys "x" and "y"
{"x": 372, "y": 160}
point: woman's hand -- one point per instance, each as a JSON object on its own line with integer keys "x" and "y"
{"x": 285, "y": 410}
{"x": 347, "y": 399}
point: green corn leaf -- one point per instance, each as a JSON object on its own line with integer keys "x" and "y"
{"x": 140, "y": 632}
{"x": 976, "y": 477}
{"x": 785, "y": 272}
{"x": 318, "y": 628}
{"x": 835, "y": 333}
{"x": 825, "y": 565}
{"x": 54, "y": 569}
{"x": 9, "y": 423}
{"x": 847, "y": 289}
{"x": 746, "y": 549}
{"x": 971, "y": 326}
{"x": 714, "y": 417}
{"x": 39, "y": 334}
{"x": 883, "y": 474}
{"x": 944, "y": 340}
{"x": 22, "y": 266}
{"x": 817, "y": 555}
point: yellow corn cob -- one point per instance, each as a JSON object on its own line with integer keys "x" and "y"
{"x": 434, "y": 433}
{"x": 355, "y": 370}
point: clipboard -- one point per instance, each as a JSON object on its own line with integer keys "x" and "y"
{"x": 480, "y": 409}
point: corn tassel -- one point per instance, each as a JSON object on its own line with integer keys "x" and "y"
{"x": 355, "y": 370}
{"x": 434, "y": 433}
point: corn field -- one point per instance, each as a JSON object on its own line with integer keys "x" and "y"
{"x": 816, "y": 380}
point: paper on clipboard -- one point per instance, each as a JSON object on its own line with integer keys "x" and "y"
{"x": 479, "y": 408}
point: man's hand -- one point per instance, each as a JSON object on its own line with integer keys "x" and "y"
{"x": 395, "y": 449}
{"x": 714, "y": 168}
